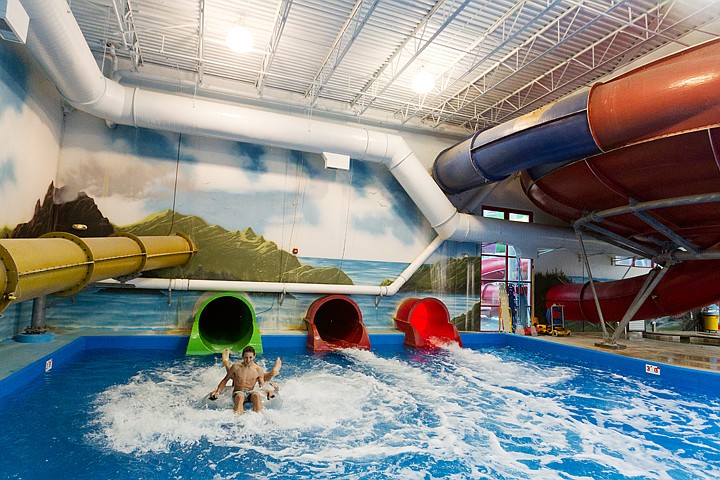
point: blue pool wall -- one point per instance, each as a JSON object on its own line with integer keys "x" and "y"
{"x": 676, "y": 378}
{"x": 172, "y": 312}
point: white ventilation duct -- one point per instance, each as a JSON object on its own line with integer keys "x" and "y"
{"x": 57, "y": 43}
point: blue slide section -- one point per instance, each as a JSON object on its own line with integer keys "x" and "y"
{"x": 557, "y": 134}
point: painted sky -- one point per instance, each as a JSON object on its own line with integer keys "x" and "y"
{"x": 29, "y": 153}
{"x": 287, "y": 196}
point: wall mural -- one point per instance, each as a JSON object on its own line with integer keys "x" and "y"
{"x": 234, "y": 255}
{"x": 248, "y": 208}
{"x": 30, "y": 129}
{"x": 285, "y": 196}
{"x": 257, "y": 213}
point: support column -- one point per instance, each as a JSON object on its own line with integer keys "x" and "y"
{"x": 592, "y": 286}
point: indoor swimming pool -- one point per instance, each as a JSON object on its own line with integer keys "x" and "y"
{"x": 489, "y": 412}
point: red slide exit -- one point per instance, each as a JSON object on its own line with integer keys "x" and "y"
{"x": 426, "y": 323}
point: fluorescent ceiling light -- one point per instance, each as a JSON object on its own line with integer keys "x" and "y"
{"x": 239, "y": 38}
{"x": 423, "y": 82}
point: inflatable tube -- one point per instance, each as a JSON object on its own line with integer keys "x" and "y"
{"x": 686, "y": 286}
{"x": 335, "y": 322}
{"x": 425, "y": 323}
{"x": 225, "y": 320}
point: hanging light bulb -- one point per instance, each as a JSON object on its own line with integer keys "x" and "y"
{"x": 423, "y": 82}
{"x": 239, "y": 38}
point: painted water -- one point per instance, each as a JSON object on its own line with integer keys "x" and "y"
{"x": 160, "y": 309}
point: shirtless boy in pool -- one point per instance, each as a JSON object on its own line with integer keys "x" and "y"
{"x": 245, "y": 375}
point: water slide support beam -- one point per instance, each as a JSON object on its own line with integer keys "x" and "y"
{"x": 678, "y": 240}
{"x": 619, "y": 240}
{"x": 638, "y": 209}
{"x": 649, "y": 285}
{"x": 37, "y": 322}
{"x": 650, "y": 205}
{"x": 592, "y": 285}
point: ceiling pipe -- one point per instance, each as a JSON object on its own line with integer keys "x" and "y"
{"x": 56, "y": 42}
{"x": 219, "y": 91}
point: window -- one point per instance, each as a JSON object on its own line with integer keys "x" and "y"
{"x": 621, "y": 261}
{"x": 501, "y": 266}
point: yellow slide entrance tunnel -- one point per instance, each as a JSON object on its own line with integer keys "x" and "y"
{"x": 62, "y": 264}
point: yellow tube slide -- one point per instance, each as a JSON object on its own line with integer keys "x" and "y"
{"x": 62, "y": 264}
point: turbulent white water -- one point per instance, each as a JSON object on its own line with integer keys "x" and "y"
{"x": 458, "y": 413}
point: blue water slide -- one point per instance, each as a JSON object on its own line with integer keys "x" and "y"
{"x": 557, "y": 134}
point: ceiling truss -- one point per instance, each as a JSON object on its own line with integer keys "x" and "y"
{"x": 492, "y": 60}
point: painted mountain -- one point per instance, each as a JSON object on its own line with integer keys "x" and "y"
{"x": 60, "y": 217}
{"x": 222, "y": 254}
{"x": 231, "y": 255}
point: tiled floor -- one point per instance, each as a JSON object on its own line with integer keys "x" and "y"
{"x": 689, "y": 355}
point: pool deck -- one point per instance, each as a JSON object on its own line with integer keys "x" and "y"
{"x": 682, "y": 349}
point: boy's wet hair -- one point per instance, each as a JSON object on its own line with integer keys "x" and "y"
{"x": 249, "y": 348}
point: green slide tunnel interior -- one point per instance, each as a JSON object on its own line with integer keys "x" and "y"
{"x": 225, "y": 320}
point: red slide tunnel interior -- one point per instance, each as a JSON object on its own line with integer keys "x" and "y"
{"x": 426, "y": 323}
{"x": 335, "y": 322}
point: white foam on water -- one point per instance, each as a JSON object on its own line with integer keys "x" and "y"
{"x": 533, "y": 414}
{"x": 490, "y": 417}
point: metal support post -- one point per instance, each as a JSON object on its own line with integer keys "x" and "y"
{"x": 592, "y": 286}
{"x": 650, "y": 283}
{"x": 37, "y": 321}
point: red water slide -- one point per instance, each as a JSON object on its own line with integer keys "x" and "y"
{"x": 335, "y": 322}
{"x": 686, "y": 286}
{"x": 426, "y": 323}
{"x": 672, "y": 108}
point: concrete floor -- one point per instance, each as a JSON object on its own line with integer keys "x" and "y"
{"x": 683, "y": 349}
